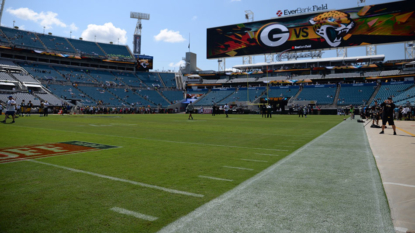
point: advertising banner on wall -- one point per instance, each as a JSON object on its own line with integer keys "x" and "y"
{"x": 137, "y": 44}
{"x": 144, "y": 62}
{"x": 359, "y": 26}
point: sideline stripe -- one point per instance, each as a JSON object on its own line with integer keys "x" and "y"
{"x": 134, "y": 214}
{"x": 413, "y": 135}
{"x": 149, "y": 139}
{"x": 119, "y": 179}
{"x": 253, "y": 160}
{"x": 240, "y": 168}
{"x": 181, "y": 222}
{"x": 406, "y": 185}
{"x": 214, "y": 178}
{"x": 266, "y": 154}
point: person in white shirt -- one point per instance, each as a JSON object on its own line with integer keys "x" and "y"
{"x": 45, "y": 108}
{"x": 10, "y": 109}
{"x": 226, "y": 108}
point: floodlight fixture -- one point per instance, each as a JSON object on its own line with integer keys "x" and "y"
{"x": 137, "y": 33}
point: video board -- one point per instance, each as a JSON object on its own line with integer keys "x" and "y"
{"x": 144, "y": 62}
{"x": 359, "y": 26}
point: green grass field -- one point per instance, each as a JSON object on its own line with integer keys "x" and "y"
{"x": 167, "y": 152}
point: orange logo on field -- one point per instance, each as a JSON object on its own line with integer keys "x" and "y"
{"x": 14, "y": 154}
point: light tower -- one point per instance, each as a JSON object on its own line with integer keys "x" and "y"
{"x": 1, "y": 8}
{"x": 137, "y": 32}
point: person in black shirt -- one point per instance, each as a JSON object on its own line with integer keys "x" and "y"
{"x": 387, "y": 114}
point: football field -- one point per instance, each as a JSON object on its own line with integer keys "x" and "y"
{"x": 134, "y": 173}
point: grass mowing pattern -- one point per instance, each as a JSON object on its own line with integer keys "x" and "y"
{"x": 164, "y": 150}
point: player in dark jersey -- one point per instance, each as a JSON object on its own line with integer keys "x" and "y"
{"x": 387, "y": 114}
{"x": 376, "y": 111}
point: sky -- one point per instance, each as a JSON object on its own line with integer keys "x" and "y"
{"x": 172, "y": 25}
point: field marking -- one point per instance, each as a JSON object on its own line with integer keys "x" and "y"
{"x": 133, "y": 213}
{"x": 149, "y": 139}
{"x": 413, "y": 135}
{"x": 121, "y": 180}
{"x": 253, "y": 160}
{"x": 215, "y": 178}
{"x": 181, "y": 222}
{"x": 240, "y": 168}
{"x": 266, "y": 154}
{"x": 406, "y": 185}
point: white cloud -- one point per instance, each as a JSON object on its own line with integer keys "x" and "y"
{"x": 105, "y": 33}
{"x": 73, "y": 27}
{"x": 178, "y": 64}
{"x": 194, "y": 18}
{"x": 46, "y": 20}
{"x": 22, "y": 27}
{"x": 169, "y": 36}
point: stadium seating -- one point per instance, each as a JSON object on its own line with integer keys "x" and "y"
{"x": 311, "y": 76}
{"x": 112, "y": 50}
{"x": 6, "y": 77}
{"x": 283, "y": 92}
{"x": 389, "y": 72}
{"x": 372, "y": 74}
{"x": 50, "y": 98}
{"x": 391, "y": 90}
{"x": 69, "y": 92}
{"x": 355, "y": 95}
{"x": 272, "y": 78}
{"x": 222, "y": 81}
{"x": 168, "y": 79}
{"x": 102, "y": 76}
{"x": 323, "y": 95}
{"x": 173, "y": 95}
{"x": 344, "y": 75}
{"x": 242, "y": 80}
{"x": 150, "y": 79}
{"x": 128, "y": 78}
{"x": 7, "y": 63}
{"x": 21, "y": 96}
{"x": 98, "y": 94}
{"x": 42, "y": 72}
{"x": 131, "y": 97}
{"x": 55, "y": 43}
{"x": 154, "y": 97}
{"x": 215, "y": 96}
{"x": 24, "y": 78}
{"x": 210, "y": 81}
{"x": 242, "y": 95}
{"x": 86, "y": 47}
{"x": 407, "y": 95}
{"x": 23, "y": 38}
{"x": 75, "y": 75}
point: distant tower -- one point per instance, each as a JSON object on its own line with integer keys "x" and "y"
{"x": 137, "y": 32}
{"x": 1, "y": 9}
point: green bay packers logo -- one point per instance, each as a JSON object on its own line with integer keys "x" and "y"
{"x": 332, "y": 26}
{"x": 272, "y": 35}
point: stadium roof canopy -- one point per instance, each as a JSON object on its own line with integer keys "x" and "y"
{"x": 374, "y": 58}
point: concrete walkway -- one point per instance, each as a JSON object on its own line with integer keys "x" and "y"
{"x": 395, "y": 157}
{"x": 329, "y": 185}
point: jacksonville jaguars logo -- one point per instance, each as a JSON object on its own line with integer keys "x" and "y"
{"x": 332, "y": 26}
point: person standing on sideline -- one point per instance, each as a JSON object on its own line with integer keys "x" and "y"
{"x": 305, "y": 110}
{"x": 263, "y": 110}
{"x": 269, "y": 110}
{"x": 387, "y": 114}
{"x": 1, "y": 109}
{"x": 226, "y": 108}
{"x": 213, "y": 108}
{"x": 45, "y": 108}
{"x": 29, "y": 108}
{"x": 351, "y": 112}
{"x": 190, "y": 109}
{"x": 10, "y": 109}
{"x": 300, "y": 111}
{"x": 22, "y": 108}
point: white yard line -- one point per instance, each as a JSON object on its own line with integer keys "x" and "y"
{"x": 266, "y": 154}
{"x": 406, "y": 185}
{"x": 253, "y": 160}
{"x": 215, "y": 178}
{"x": 240, "y": 168}
{"x": 158, "y": 140}
{"x": 134, "y": 214}
{"x": 119, "y": 179}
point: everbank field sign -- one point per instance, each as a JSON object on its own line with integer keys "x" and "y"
{"x": 302, "y": 10}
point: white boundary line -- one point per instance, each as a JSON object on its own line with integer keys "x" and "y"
{"x": 134, "y": 214}
{"x": 181, "y": 222}
{"x": 240, "y": 168}
{"x": 266, "y": 154}
{"x": 158, "y": 140}
{"x": 253, "y": 160}
{"x": 119, "y": 179}
{"x": 406, "y": 185}
{"x": 215, "y": 178}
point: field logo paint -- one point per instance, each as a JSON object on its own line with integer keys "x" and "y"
{"x": 8, "y": 155}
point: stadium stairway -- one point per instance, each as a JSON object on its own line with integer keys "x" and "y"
{"x": 295, "y": 97}
{"x": 85, "y": 94}
{"x": 202, "y": 97}
{"x": 101, "y": 49}
{"x": 112, "y": 93}
{"x": 164, "y": 97}
{"x": 373, "y": 95}
{"x": 162, "y": 81}
{"x": 70, "y": 44}
{"x": 4, "y": 36}
{"x": 46, "y": 47}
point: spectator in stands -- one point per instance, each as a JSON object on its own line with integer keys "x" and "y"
{"x": 10, "y": 109}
